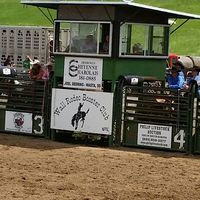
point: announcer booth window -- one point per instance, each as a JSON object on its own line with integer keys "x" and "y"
{"x": 140, "y": 40}
{"x": 83, "y": 38}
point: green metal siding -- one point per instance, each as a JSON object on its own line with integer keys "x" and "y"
{"x": 59, "y": 66}
{"x": 113, "y": 68}
{"x": 140, "y": 67}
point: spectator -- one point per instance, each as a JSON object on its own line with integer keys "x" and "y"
{"x": 8, "y": 71}
{"x": 174, "y": 79}
{"x": 27, "y": 63}
{"x": 8, "y": 62}
{"x": 179, "y": 66}
{"x": 36, "y": 72}
{"x": 105, "y": 47}
{"x": 137, "y": 48}
{"x": 194, "y": 76}
{"x": 75, "y": 45}
{"x": 35, "y": 61}
{"x": 90, "y": 45}
{"x": 48, "y": 72}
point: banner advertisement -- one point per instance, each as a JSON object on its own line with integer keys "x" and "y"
{"x": 18, "y": 122}
{"x": 85, "y": 73}
{"x": 84, "y": 111}
{"x": 154, "y": 135}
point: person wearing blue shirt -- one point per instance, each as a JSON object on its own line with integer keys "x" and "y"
{"x": 194, "y": 77}
{"x": 179, "y": 66}
{"x": 175, "y": 80}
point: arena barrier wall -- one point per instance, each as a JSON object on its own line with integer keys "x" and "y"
{"x": 152, "y": 116}
{"x": 24, "y": 106}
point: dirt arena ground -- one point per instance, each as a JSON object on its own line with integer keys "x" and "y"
{"x": 39, "y": 169}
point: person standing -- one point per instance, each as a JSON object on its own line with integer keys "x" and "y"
{"x": 8, "y": 62}
{"x": 194, "y": 77}
{"x": 27, "y": 63}
{"x": 175, "y": 80}
{"x": 106, "y": 44}
{"x": 36, "y": 72}
{"x": 48, "y": 72}
{"x": 179, "y": 66}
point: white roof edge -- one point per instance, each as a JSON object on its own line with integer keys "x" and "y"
{"x": 73, "y": 2}
{"x": 60, "y": 2}
{"x": 195, "y": 16}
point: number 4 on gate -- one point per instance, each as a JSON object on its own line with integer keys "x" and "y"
{"x": 180, "y": 138}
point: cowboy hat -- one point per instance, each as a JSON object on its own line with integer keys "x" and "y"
{"x": 174, "y": 69}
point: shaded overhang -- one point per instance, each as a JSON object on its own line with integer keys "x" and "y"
{"x": 165, "y": 12}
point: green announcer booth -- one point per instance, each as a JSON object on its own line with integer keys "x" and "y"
{"x": 94, "y": 44}
{"x": 130, "y": 38}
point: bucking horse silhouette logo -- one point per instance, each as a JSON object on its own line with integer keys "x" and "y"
{"x": 79, "y": 116}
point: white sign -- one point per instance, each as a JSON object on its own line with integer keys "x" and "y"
{"x": 83, "y": 73}
{"x": 6, "y": 71}
{"x": 18, "y": 122}
{"x": 84, "y": 111}
{"x": 154, "y": 135}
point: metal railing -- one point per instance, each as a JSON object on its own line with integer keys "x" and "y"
{"x": 157, "y": 117}
{"x": 24, "y": 106}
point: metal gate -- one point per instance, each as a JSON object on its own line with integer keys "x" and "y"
{"x": 196, "y": 126}
{"x": 156, "y": 117}
{"x": 24, "y": 105}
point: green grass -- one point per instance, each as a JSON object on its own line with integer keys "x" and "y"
{"x": 185, "y": 41}
{"x": 16, "y": 14}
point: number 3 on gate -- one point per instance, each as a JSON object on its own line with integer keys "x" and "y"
{"x": 179, "y": 138}
{"x": 40, "y": 124}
